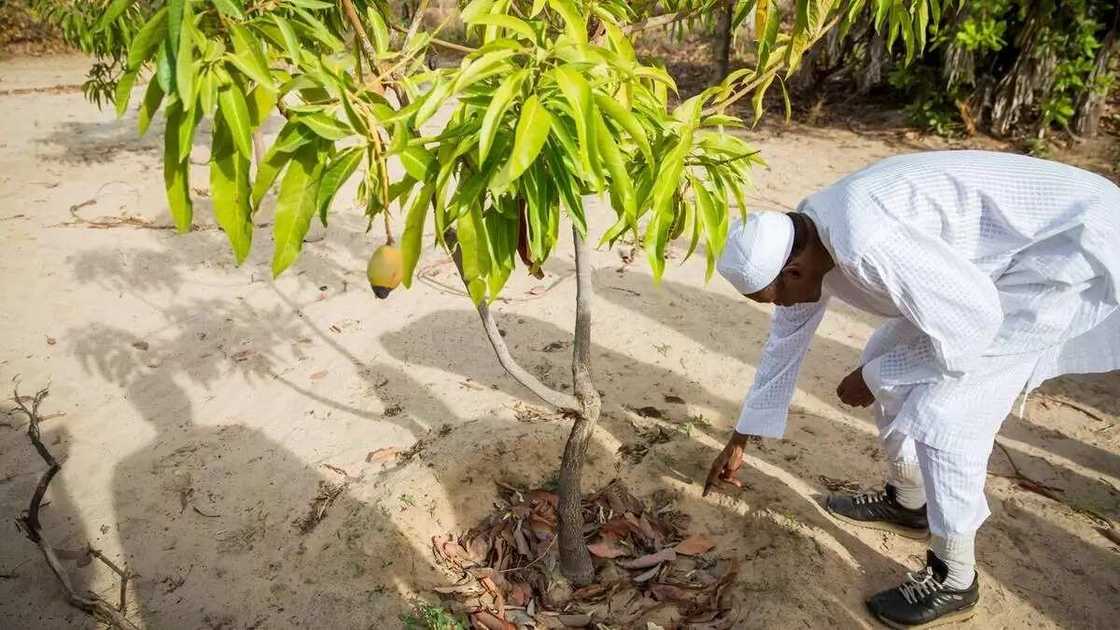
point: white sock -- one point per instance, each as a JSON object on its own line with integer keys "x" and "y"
{"x": 906, "y": 477}
{"x": 959, "y": 554}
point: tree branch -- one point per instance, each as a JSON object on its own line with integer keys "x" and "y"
{"x": 360, "y": 33}
{"x": 560, "y": 400}
{"x": 28, "y": 523}
{"x": 772, "y": 67}
{"x": 575, "y": 560}
{"x": 363, "y": 37}
{"x": 582, "y": 384}
{"x": 665, "y": 19}
{"x": 417, "y": 18}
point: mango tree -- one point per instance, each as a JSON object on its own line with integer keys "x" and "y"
{"x": 549, "y": 105}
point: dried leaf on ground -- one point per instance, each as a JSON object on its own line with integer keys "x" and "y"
{"x": 506, "y": 565}
{"x": 649, "y": 560}
{"x": 607, "y": 548}
{"x": 695, "y": 545}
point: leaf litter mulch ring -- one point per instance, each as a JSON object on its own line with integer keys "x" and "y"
{"x": 650, "y": 571}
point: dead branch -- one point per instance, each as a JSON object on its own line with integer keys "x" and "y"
{"x": 1074, "y": 405}
{"x": 28, "y": 523}
{"x": 1028, "y": 483}
{"x": 560, "y": 400}
{"x": 1050, "y": 492}
{"x": 139, "y": 223}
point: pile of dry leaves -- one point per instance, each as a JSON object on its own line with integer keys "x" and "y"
{"x": 650, "y": 571}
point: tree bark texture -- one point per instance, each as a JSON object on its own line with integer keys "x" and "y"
{"x": 723, "y": 50}
{"x": 575, "y": 560}
{"x": 1087, "y": 119}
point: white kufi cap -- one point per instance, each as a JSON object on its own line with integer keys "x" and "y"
{"x": 756, "y": 250}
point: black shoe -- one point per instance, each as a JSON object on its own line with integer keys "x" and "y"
{"x": 923, "y": 600}
{"x": 880, "y": 510}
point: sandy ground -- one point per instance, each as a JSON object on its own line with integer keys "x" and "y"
{"x": 200, "y": 408}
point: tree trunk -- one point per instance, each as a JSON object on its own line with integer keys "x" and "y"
{"x": 1087, "y": 119}
{"x": 723, "y": 49}
{"x": 877, "y": 57}
{"x": 575, "y": 560}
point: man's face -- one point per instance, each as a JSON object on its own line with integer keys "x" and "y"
{"x": 794, "y": 285}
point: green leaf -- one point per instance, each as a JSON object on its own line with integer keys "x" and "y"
{"x": 174, "y": 25}
{"x": 184, "y": 60}
{"x": 229, "y": 190}
{"x": 578, "y": 94}
{"x": 267, "y": 172}
{"x": 575, "y": 23}
{"x": 208, "y": 91}
{"x": 414, "y": 231}
{"x": 475, "y": 9}
{"x": 432, "y": 101}
{"x": 187, "y": 127}
{"x": 620, "y": 42}
{"x": 340, "y": 170}
{"x": 691, "y": 221}
{"x": 714, "y": 222}
{"x": 311, "y": 4}
{"x": 621, "y": 184}
{"x": 491, "y": 119}
{"x": 291, "y": 137}
{"x": 769, "y": 36}
{"x": 922, "y": 24}
{"x": 567, "y": 187}
{"x": 295, "y": 205}
{"x": 148, "y": 39}
{"x": 665, "y": 187}
{"x": 325, "y": 126}
{"x": 518, "y": 26}
{"x": 882, "y": 11}
{"x": 533, "y": 127}
{"x": 314, "y": 27}
{"x": 759, "y": 94}
{"x": 379, "y": 30}
{"x": 474, "y": 253}
{"x": 229, "y": 9}
{"x": 502, "y": 237}
{"x": 484, "y": 66}
{"x": 288, "y": 34}
{"x": 153, "y": 96}
{"x": 417, "y": 161}
{"x": 356, "y": 120}
{"x": 248, "y": 57}
{"x": 231, "y": 102}
{"x": 176, "y": 170}
{"x": 627, "y": 121}
{"x": 260, "y": 103}
{"x": 112, "y": 12}
{"x": 123, "y": 91}
{"x": 785, "y": 100}
{"x": 165, "y": 74}
{"x": 538, "y": 5}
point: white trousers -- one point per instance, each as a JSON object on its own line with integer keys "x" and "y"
{"x": 951, "y": 482}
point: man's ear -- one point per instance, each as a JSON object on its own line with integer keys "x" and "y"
{"x": 793, "y": 270}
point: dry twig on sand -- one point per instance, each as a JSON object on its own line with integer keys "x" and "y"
{"x": 28, "y": 523}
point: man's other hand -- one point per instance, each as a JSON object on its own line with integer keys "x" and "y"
{"x": 853, "y": 390}
{"x": 727, "y": 463}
